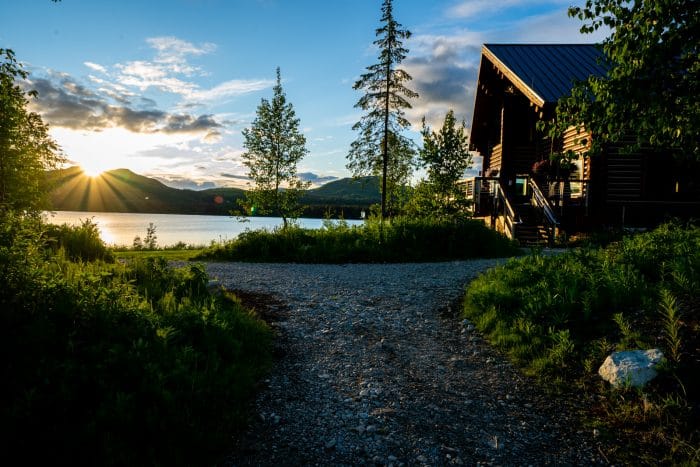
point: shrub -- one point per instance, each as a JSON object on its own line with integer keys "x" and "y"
{"x": 81, "y": 242}
{"x": 118, "y": 363}
{"x": 560, "y": 316}
{"x": 401, "y": 240}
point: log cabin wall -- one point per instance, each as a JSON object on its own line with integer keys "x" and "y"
{"x": 518, "y": 85}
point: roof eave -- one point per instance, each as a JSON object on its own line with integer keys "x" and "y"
{"x": 508, "y": 73}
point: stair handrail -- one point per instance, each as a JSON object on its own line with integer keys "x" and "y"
{"x": 508, "y": 211}
{"x": 543, "y": 203}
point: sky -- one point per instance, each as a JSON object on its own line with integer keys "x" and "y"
{"x": 164, "y": 88}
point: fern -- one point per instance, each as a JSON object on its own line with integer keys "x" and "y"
{"x": 670, "y": 316}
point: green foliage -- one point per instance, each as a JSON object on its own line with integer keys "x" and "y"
{"x": 26, "y": 149}
{"x": 671, "y": 325}
{"x": 81, "y": 243}
{"x": 445, "y": 156}
{"x": 274, "y": 146}
{"x": 149, "y": 242}
{"x": 380, "y": 148}
{"x": 652, "y": 85}
{"x": 403, "y": 239}
{"x": 118, "y": 364}
{"x": 536, "y": 297}
{"x": 560, "y": 316}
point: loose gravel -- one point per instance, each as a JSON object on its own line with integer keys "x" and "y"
{"x": 374, "y": 366}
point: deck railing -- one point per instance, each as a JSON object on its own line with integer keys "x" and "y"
{"x": 504, "y": 207}
{"x": 551, "y": 223}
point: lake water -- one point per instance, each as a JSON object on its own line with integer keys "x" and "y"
{"x": 118, "y": 228}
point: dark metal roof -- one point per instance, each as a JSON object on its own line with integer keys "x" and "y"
{"x": 548, "y": 70}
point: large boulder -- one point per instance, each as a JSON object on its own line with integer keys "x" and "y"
{"x": 631, "y": 367}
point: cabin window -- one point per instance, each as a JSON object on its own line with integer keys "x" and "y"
{"x": 577, "y": 174}
{"x": 521, "y": 186}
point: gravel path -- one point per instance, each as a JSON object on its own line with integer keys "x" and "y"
{"x": 373, "y": 366}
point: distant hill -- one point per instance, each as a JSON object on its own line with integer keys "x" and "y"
{"x": 122, "y": 190}
{"x": 364, "y": 190}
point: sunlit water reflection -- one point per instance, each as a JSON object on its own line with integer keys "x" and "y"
{"x": 118, "y": 228}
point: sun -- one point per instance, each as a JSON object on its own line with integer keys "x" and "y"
{"x": 92, "y": 172}
{"x": 95, "y": 168}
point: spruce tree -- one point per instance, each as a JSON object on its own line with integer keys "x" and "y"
{"x": 384, "y": 101}
{"x": 274, "y": 146}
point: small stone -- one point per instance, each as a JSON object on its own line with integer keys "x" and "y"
{"x": 331, "y": 443}
{"x": 392, "y": 458}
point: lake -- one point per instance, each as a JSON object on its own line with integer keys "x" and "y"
{"x": 117, "y": 228}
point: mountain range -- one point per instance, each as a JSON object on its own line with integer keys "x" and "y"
{"x": 122, "y": 190}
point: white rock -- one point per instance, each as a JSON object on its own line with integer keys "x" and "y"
{"x": 633, "y": 367}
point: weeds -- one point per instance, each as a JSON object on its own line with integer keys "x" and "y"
{"x": 559, "y": 317}
{"x": 118, "y": 364}
{"x": 402, "y": 240}
{"x": 671, "y": 325}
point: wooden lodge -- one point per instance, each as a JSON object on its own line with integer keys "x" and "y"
{"x": 519, "y": 85}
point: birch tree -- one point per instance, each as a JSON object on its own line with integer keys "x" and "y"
{"x": 274, "y": 146}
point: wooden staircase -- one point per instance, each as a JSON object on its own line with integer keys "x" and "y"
{"x": 530, "y": 231}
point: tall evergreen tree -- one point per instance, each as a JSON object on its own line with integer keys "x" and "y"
{"x": 274, "y": 146}
{"x": 384, "y": 102}
{"x": 26, "y": 149}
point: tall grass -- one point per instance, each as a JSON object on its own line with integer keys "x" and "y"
{"x": 81, "y": 242}
{"x": 119, "y": 364}
{"x": 401, "y": 240}
{"x": 560, "y": 316}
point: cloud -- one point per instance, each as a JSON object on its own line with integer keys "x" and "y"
{"x": 212, "y": 136}
{"x": 316, "y": 179}
{"x": 183, "y": 183}
{"x": 65, "y": 103}
{"x": 226, "y": 89}
{"x": 96, "y": 67}
{"x": 170, "y": 71}
{"x": 235, "y": 176}
{"x": 172, "y": 51}
{"x": 542, "y": 28}
{"x": 444, "y": 70}
{"x": 479, "y": 8}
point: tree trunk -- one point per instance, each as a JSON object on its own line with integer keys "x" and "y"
{"x": 385, "y": 143}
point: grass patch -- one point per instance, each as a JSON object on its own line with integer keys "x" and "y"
{"x": 401, "y": 240}
{"x": 118, "y": 363}
{"x": 170, "y": 255}
{"x": 558, "y": 317}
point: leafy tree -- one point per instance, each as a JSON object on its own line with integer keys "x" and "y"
{"x": 384, "y": 100}
{"x": 274, "y": 146}
{"x": 652, "y": 86}
{"x": 26, "y": 149}
{"x": 445, "y": 156}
